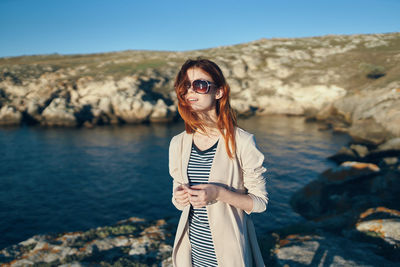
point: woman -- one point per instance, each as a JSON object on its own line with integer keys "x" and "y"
{"x": 217, "y": 174}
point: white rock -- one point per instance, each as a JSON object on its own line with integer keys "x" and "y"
{"x": 33, "y": 108}
{"x": 327, "y": 250}
{"x": 105, "y": 105}
{"x": 14, "y": 90}
{"x": 387, "y": 229}
{"x": 246, "y": 95}
{"x": 239, "y": 69}
{"x": 139, "y": 247}
{"x": 72, "y": 264}
{"x": 273, "y": 63}
{"x": 393, "y": 143}
{"x": 311, "y": 96}
{"x": 283, "y": 72}
{"x": 225, "y": 69}
{"x": 22, "y": 263}
{"x": 278, "y": 105}
{"x": 167, "y": 262}
{"x": 29, "y": 241}
{"x": 160, "y": 110}
{"x": 235, "y": 86}
{"x": 374, "y": 41}
{"x": 132, "y": 109}
{"x": 39, "y": 245}
{"x": 241, "y": 106}
{"x": 120, "y": 241}
{"x": 252, "y": 61}
{"x": 300, "y": 55}
{"x": 325, "y": 51}
{"x": 269, "y": 82}
{"x": 104, "y": 244}
{"x": 381, "y": 105}
{"x": 58, "y": 114}
{"x": 303, "y": 254}
{"x": 49, "y": 257}
{"x": 10, "y": 116}
{"x": 282, "y": 52}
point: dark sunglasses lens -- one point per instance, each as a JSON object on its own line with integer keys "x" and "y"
{"x": 200, "y": 86}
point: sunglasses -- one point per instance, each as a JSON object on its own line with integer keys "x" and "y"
{"x": 200, "y": 86}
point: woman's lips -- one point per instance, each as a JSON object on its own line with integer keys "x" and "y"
{"x": 192, "y": 99}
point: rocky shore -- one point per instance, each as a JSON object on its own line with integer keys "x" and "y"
{"x": 132, "y": 242}
{"x": 352, "y": 82}
{"x": 353, "y": 213}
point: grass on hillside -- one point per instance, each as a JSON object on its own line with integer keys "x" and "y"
{"x": 357, "y": 67}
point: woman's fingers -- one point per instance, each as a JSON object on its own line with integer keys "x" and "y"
{"x": 197, "y": 201}
{"x": 181, "y": 196}
{"x": 195, "y": 197}
{"x": 208, "y": 192}
{"x": 198, "y": 195}
{"x": 194, "y": 192}
{"x": 183, "y": 202}
{"x": 180, "y": 193}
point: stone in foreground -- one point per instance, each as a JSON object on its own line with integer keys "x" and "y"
{"x": 132, "y": 242}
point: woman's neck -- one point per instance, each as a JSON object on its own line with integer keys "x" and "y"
{"x": 210, "y": 123}
{"x": 209, "y": 118}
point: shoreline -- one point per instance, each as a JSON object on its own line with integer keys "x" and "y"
{"x": 350, "y": 81}
{"x": 352, "y": 212}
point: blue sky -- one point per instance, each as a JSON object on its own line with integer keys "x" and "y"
{"x": 89, "y": 26}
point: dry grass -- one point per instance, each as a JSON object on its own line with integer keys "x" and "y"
{"x": 353, "y": 66}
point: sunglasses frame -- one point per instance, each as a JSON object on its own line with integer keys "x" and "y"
{"x": 209, "y": 84}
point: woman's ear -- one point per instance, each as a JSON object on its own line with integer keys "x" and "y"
{"x": 219, "y": 93}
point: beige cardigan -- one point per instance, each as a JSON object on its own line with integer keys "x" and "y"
{"x": 231, "y": 228}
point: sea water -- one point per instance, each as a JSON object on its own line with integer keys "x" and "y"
{"x": 55, "y": 180}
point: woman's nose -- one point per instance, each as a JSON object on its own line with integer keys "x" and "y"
{"x": 190, "y": 89}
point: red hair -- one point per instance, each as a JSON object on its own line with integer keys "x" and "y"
{"x": 226, "y": 119}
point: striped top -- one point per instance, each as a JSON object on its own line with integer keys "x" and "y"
{"x": 203, "y": 253}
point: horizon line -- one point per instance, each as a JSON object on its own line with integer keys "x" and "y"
{"x": 188, "y": 50}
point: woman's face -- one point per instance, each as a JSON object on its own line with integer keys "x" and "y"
{"x": 201, "y": 102}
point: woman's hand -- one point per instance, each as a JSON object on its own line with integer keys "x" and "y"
{"x": 203, "y": 194}
{"x": 181, "y": 195}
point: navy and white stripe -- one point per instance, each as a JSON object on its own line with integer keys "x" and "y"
{"x": 203, "y": 253}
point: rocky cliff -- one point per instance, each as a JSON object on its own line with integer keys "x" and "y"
{"x": 350, "y": 81}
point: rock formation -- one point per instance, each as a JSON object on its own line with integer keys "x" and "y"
{"x": 351, "y": 82}
{"x": 132, "y": 242}
{"x": 353, "y": 212}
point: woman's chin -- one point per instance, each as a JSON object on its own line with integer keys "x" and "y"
{"x": 196, "y": 108}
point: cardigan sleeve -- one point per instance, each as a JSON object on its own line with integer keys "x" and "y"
{"x": 174, "y": 170}
{"x": 253, "y": 175}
